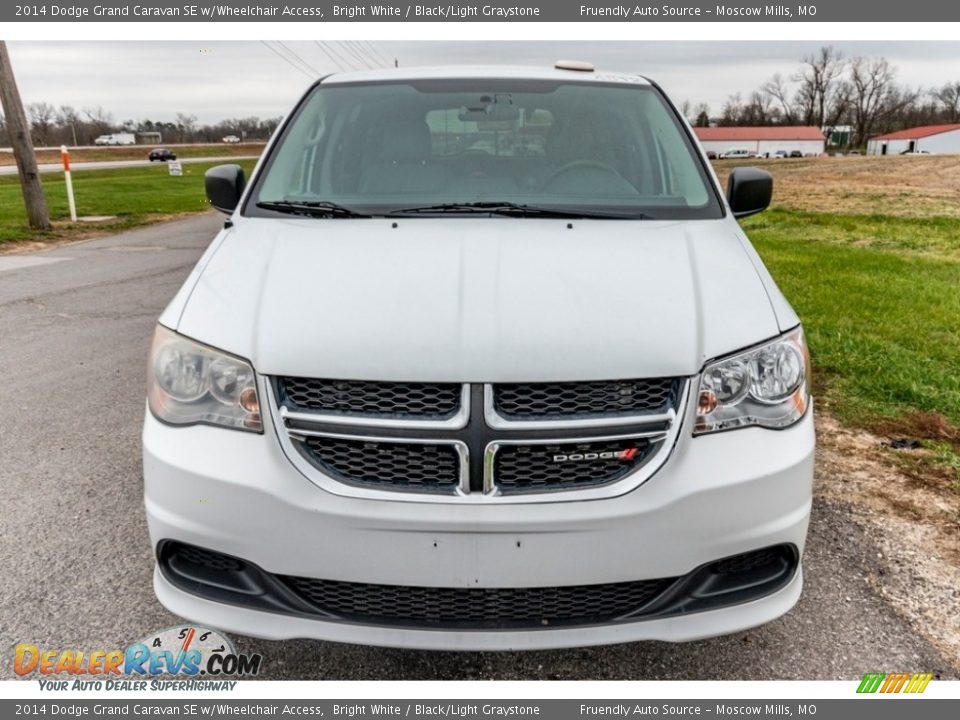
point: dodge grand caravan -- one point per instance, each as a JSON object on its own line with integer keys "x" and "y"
{"x": 481, "y": 359}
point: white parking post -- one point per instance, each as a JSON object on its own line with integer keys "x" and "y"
{"x": 66, "y": 174}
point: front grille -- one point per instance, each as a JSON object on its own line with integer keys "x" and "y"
{"x": 544, "y": 401}
{"x": 359, "y": 397}
{"x": 385, "y": 465}
{"x": 476, "y": 607}
{"x": 537, "y": 468}
{"x": 452, "y": 439}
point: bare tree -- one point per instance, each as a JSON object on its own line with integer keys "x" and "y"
{"x": 948, "y": 98}
{"x": 874, "y": 95}
{"x": 101, "y": 121}
{"x": 731, "y": 110}
{"x": 702, "y": 113}
{"x": 186, "y": 126}
{"x": 69, "y": 119}
{"x": 759, "y": 110}
{"x": 777, "y": 90}
{"x": 41, "y": 117}
{"x": 819, "y": 79}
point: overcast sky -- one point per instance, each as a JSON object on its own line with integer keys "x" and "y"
{"x": 218, "y": 80}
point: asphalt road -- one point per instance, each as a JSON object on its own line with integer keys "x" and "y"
{"x": 114, "y": 164}
{"x": 74, "y": 553}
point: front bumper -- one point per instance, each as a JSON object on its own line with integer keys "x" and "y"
{"x": 717, "y": 496}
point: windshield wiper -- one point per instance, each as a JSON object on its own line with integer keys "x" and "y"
{"x": 512, "y": 209}
{"x": 311, "y": 208}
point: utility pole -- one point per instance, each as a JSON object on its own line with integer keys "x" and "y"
{"x": 33, "y": 197}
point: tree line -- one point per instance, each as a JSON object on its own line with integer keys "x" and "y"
{"x": 51, "y": 126}
{"x": 829, "y": 90}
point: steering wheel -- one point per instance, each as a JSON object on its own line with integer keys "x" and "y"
{"x": 577, "y": 164}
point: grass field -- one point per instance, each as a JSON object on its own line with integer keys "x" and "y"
{"x": 134, "y": 195}
{"x": 868, "y": 252}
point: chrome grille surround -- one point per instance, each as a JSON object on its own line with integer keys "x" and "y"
{"x": 477, "y": 435}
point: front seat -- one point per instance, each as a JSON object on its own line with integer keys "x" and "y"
{"x": 404, "y": 165}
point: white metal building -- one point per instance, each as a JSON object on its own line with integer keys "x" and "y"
{"x": 763, "y": 140}
{"x": 938, "y": 139}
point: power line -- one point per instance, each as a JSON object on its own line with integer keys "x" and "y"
{"x": 286, "y": 59}
{"x": 343, "y": 58}
{"x": 376, "y": 53}
{"x": 361, "y": 57}
{"x": 298, "y": 58}
{"x": 329, "y": 55}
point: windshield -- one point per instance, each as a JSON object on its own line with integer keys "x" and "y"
{"x": 512, "y": 146}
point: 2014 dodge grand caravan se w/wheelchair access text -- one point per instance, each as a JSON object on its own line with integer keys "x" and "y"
{"x": 480, "y": 360}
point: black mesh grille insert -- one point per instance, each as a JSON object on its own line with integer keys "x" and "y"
{"x": 385, "y": 465}
{"x": 532, "y": 468}
{"x": 536, "y": 401}
{"x": 359, "y": 397}
{"x": 208, "y": 559}
{"x": 749, "y": 562}
{"x": 476, "y": 607}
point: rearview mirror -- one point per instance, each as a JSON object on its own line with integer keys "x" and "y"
{"x": 749, "y": 191}
{"x": 224, "y": 184}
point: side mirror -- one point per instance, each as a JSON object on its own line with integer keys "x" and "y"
{"x": 749, "y": 191}
{"x": 224, "y": 184}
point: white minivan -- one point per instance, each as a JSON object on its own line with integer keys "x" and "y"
{"x": 481, "y": 359}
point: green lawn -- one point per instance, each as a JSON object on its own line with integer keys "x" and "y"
{"x": 134, "y": 195}
{"x": 880, "y": 299}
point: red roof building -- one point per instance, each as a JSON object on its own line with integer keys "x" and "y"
{"x": 918, "y": 132}
{"x": 750, "y": 134}
{"x": 765, "y": 141}
{"x": 932, "y": 139}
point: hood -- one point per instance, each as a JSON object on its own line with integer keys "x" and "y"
{"x": 479, "y": 299}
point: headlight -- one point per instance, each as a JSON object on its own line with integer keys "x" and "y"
{"x": 765, "y": 386}
{"x": 190, "y": 383}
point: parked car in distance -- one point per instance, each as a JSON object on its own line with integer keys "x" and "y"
{"x": 853, "y": 152}
{"x": 796, "y": 154}
{"x": 779, "y": 154}
{"x": 162, "y": 154}
{"x": 916, "y": 152}
{"x": 414, "y": 395}
{"x": 711, "y": 154}
{"x": 737, "y": 153}
{"x": 231, "y": 139}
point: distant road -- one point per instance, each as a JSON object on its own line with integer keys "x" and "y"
{"x": 113, "y": 164}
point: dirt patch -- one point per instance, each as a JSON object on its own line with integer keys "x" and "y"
{"x": 920, "y": 425}
{"x": 897, "y": 186}
{"x": 915, "y": 527}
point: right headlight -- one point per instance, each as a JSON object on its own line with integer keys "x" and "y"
{"x": 766, "y": 386}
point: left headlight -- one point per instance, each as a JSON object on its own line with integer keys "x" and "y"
{"x": 190, "y": 383}
{"x": 766, "y": 386}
